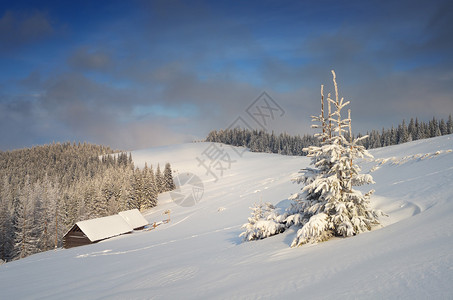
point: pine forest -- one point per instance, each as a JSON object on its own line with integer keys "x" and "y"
{"x": 44, "y": 190}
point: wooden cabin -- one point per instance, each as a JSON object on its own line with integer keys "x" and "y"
{"x": 75, "y": 237}
{"x": 95, "y": 230}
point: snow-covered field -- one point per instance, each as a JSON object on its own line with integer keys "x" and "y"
{"x": 198, "y": 254}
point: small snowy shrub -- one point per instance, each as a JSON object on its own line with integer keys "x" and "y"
{"x": 262, "y": 223}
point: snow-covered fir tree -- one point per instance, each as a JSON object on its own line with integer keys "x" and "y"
{"x": 6, "y": 221}
{"x": 25, "y": 241}
{"x": 327, "y": 205}
{"x": 136, "y": 196}
{"x": 450, "y": 125}
{"x": 54, "y": 226}
{"x": 169, "y": 184}
{"x": 149, "y": 188}
{"x": 160, "y": 183}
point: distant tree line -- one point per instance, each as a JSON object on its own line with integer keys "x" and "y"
{"x": 283, "y": 143}
{"x": 44, "y": 190}
{"x": 403, "y": 133}
{"x": 262, "y": 141}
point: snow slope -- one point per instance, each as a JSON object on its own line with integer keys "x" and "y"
{"x": 198, "y": 254}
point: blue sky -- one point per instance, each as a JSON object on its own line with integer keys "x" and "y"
{"x": 135, "y": 74}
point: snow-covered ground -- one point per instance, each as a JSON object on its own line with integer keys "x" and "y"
{"x": 198, "y": 254}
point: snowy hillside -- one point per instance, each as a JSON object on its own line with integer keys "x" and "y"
{"x": 198, "y": 254}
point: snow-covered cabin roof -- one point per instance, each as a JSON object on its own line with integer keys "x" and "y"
{"x": 103, "y": 228}
{"x": 134, "y": 218}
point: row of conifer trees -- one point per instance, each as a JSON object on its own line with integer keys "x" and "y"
{"x": 44, "y": 190}
{"x": 403, "y": 133}
{"x": 262, "y": 141}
